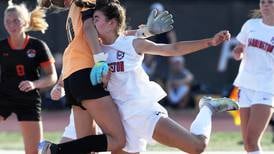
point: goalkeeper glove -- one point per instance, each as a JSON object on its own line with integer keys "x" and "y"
{"x": 99, "y": 70}
{"x": 157, "y": 23}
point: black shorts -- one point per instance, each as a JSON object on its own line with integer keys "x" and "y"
{"x": 25, "y": 109}
{"x": 78, "y": 87}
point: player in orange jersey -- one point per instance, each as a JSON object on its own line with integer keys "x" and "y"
{"x": 89, "y": 102}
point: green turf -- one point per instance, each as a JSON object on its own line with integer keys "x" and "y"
{"x": 219, "y": 141}
{"x": 225, "y": 142}
{"x": 14, "y": 141}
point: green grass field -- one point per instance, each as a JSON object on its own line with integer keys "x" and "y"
{"x": 219, "y": 142}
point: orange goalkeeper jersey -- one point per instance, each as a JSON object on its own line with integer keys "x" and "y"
{"x": 77, "y": 55}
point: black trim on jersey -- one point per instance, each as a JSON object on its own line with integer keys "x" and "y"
{"x": 87, "y": 14}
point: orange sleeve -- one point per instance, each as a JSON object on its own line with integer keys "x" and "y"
{"x": 46, "y": 63}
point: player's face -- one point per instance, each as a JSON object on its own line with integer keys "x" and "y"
{"x": 101, "y": 23}
{"x": 14, "y": 24}
{"x": 267, "y": 7}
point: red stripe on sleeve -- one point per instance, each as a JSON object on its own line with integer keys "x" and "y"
{"x": 47, "y": 63}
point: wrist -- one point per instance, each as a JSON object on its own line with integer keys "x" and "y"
{"x": 100, "y": 57}
{"x": 210, "y": 42}
{"x": 60, "y": 85}
{"x": 143, "y": 32}
{"x": 35, "y": 84}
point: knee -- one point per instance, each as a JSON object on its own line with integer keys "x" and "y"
{"x": 251, "y": 143}
{"x": 199, "y": 148}
{"x": 120, "y": 143}
{"x": 31, "y": 151}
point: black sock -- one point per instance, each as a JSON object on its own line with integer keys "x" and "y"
{"x": 92, "y": 143}
{"x": 271, "y": 122}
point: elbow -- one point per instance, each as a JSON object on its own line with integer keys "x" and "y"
{"x": 88, "y": 27}
{"x": 173, "y": 50}
{"x": 53, "y": 79}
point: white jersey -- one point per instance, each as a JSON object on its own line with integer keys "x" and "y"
{"x": 129, "y": 85}
{"x": 256, "y": 71}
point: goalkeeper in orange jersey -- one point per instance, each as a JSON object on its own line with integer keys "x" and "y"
{"x": 89, "y": 102}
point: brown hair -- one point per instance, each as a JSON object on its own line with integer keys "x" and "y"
{"x": 105, "y": 2}
{"x": 113, "y": 10}
{"x": 255, "y": 13}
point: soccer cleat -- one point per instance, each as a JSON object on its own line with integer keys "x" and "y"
{"x": 218, "y": 104}
{"x": 44, "y": 147}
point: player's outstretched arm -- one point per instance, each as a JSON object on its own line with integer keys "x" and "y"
{"x": 179, "y": 48}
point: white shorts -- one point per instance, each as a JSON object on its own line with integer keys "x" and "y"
{"x": 248, "y": 97}
{"x": 139, "y": 128}
{"x": 70, "y": 129}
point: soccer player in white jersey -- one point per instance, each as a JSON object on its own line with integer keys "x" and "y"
{"x": 256, "y": 75}
{"x": 136, "y": 97}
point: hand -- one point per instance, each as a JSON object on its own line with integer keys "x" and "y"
{"x": 26, "y": 86}
{"x": 237, "y": 52}
{"x": 105, "y": 79}
{"x": 99, "y": 70}
{"x": 57, "y": 92}
{"x": 220, "y": 38}
{"x": 157, "y": 23}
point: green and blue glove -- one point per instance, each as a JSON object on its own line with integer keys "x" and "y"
{"x": 99, "y": 70}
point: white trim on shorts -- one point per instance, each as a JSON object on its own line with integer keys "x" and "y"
{"x": 70, "y": 131}
{"x": 248, "y": 97}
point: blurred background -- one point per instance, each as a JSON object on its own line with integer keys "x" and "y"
{"x": 212, "y": 70}
{"x": 185, "y": 79}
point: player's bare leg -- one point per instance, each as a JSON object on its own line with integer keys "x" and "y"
{"x": 32, "y": 134}
{"x": 170, "y": 133}
{"x": 254, "y": 125}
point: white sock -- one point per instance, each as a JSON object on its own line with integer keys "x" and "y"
{"x": 255, "y": 152}
{"x": 202, "y": 123}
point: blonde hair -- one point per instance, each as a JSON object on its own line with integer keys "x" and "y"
{"x": 35, "y": 19}
{"x": 255, "y": 13}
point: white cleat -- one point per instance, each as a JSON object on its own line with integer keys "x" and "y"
{"x": 218, "y": 104}
{"x": 44, "y": 147}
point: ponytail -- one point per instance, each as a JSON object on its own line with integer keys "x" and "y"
{"x": 37, "y": 20}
